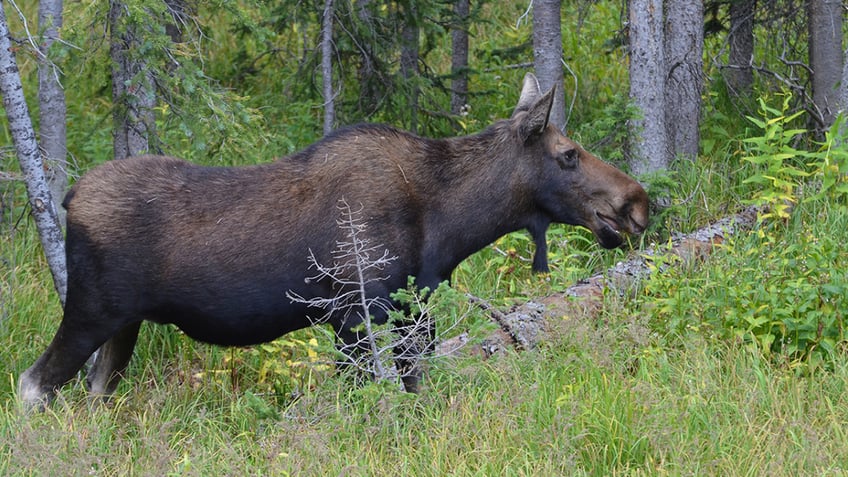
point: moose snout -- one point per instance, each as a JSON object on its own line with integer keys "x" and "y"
{"x": 635, "y": 209}
{"x": 635, "y": 227}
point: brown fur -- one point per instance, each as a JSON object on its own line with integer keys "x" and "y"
{"x": 215, "y": 250}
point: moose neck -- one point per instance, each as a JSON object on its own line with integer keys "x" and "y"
{"x": 486, "y": 195}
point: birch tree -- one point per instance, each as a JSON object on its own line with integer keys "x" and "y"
{"x": 648, "y": 139}
{"x": 547, "y": 54}
{"x": 51, "y": 103}
{"x": 327, "y": 67}
{"x": 23, "y": 135}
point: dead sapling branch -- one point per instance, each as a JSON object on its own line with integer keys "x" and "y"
{"x": 357, "y": 268}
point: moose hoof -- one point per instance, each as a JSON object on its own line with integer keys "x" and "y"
{"x": 31, "y": 394}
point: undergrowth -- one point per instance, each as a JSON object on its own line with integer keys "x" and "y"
{"x": 733, "y": 366}
{"x": 780, "y": 290}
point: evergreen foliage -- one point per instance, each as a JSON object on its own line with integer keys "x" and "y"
{"x": 733, "y": 366}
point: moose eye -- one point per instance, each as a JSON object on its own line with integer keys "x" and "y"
{"x": 567, "y": 159}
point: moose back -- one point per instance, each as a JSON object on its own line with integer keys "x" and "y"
{"x": 217, "y": 251}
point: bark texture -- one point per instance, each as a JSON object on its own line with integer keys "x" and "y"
{"x": 547, "y": 54}
{"x": 684, "y": 51}
{"x": 842, "y": 95}
{"x": 133, "y": 87}
{"x": 459, "y": 57}
{"x": 740, "y": 74}
{"x": 51, "y": 104}
{"x": 410, "y": 33}
{"x": 649, "y": 149}
{"x": 327, "y": 67}
{"x": 825, "y": 26}
{"x": 23, "y": 135}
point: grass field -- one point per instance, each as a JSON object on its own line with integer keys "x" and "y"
{"x": 619, "y": 395}
{"x": 734, "y": 366}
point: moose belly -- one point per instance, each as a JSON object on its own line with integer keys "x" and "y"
{"x": 234, "y": 319}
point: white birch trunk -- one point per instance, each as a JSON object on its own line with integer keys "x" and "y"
{"x": 51, "y": 104}
{"x": 649, "y": 150}
{"x": 327, "y": 67}
{"x": 32, "y": 166}
{"x": 547, "y": 54}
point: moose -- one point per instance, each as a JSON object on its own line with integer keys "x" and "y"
{"x": 217, "y": 250}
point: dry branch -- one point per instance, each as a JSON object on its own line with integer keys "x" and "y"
{"x": 11, "y": 177}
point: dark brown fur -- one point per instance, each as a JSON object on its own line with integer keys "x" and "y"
{"x": 215, "y": 250}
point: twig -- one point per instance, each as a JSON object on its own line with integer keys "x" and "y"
{"x": 524, "y": 15}
{"x": 9, "y": 176}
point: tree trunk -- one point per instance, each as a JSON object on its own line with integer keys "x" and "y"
{"x": 459, "y": 57}
{"x": 547, "y": 54}
{"x": 648, "y": 141}
{"x": 327, "y": 67}
{"x": 842, "y": 98}
{"x": 133, "y": 93}
{"x": 51, "y": 104}
{"x": 684, "y": 51}
{"x": 409, "y": 60}
{"x": 740, "y": 75}
{"x": 367, "y": 71}
{"x": 825, "y": 26}
{"x": 23, "y": 135}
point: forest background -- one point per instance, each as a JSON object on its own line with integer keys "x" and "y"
{"x": 736, "y": 365}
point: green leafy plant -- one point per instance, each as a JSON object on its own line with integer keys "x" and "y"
{"x": 830, "y": 163}
{"x": 288, "y": 366}
{"x": 780, "y": 290}
{"x": 779, "y": 166}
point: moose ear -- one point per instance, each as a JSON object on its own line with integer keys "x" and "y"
{"x": 530, "y": 92}
{"x": 536, "y": 119}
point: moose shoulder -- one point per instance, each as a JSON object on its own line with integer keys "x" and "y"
{"x": 216, "y": 250}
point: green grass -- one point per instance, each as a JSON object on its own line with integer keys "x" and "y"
{"x": 643, "y": 389}
{"x": 631, "y": 392}
{"x": 671, "y": 379}
{"x": 603, "y": 398}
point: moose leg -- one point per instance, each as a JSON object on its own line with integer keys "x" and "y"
{"x": 79, "y": 335}
{"x": 66, "y": 354}
{"x": 112, "y": 359}
{"x": 416, "y": 340}
{"x": 538, "y": 231}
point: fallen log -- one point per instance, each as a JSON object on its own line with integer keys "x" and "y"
{"x": 524, "y": 326}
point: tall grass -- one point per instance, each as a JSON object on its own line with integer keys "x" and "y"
{"x": 640, "y": 390}
{"x": 602, "y": 398}
{"x": 663, "y": 384}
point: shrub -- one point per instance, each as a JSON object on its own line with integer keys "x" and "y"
{"x": 782, "y": 289}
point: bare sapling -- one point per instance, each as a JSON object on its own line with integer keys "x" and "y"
{"x": 387, "y": 330}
